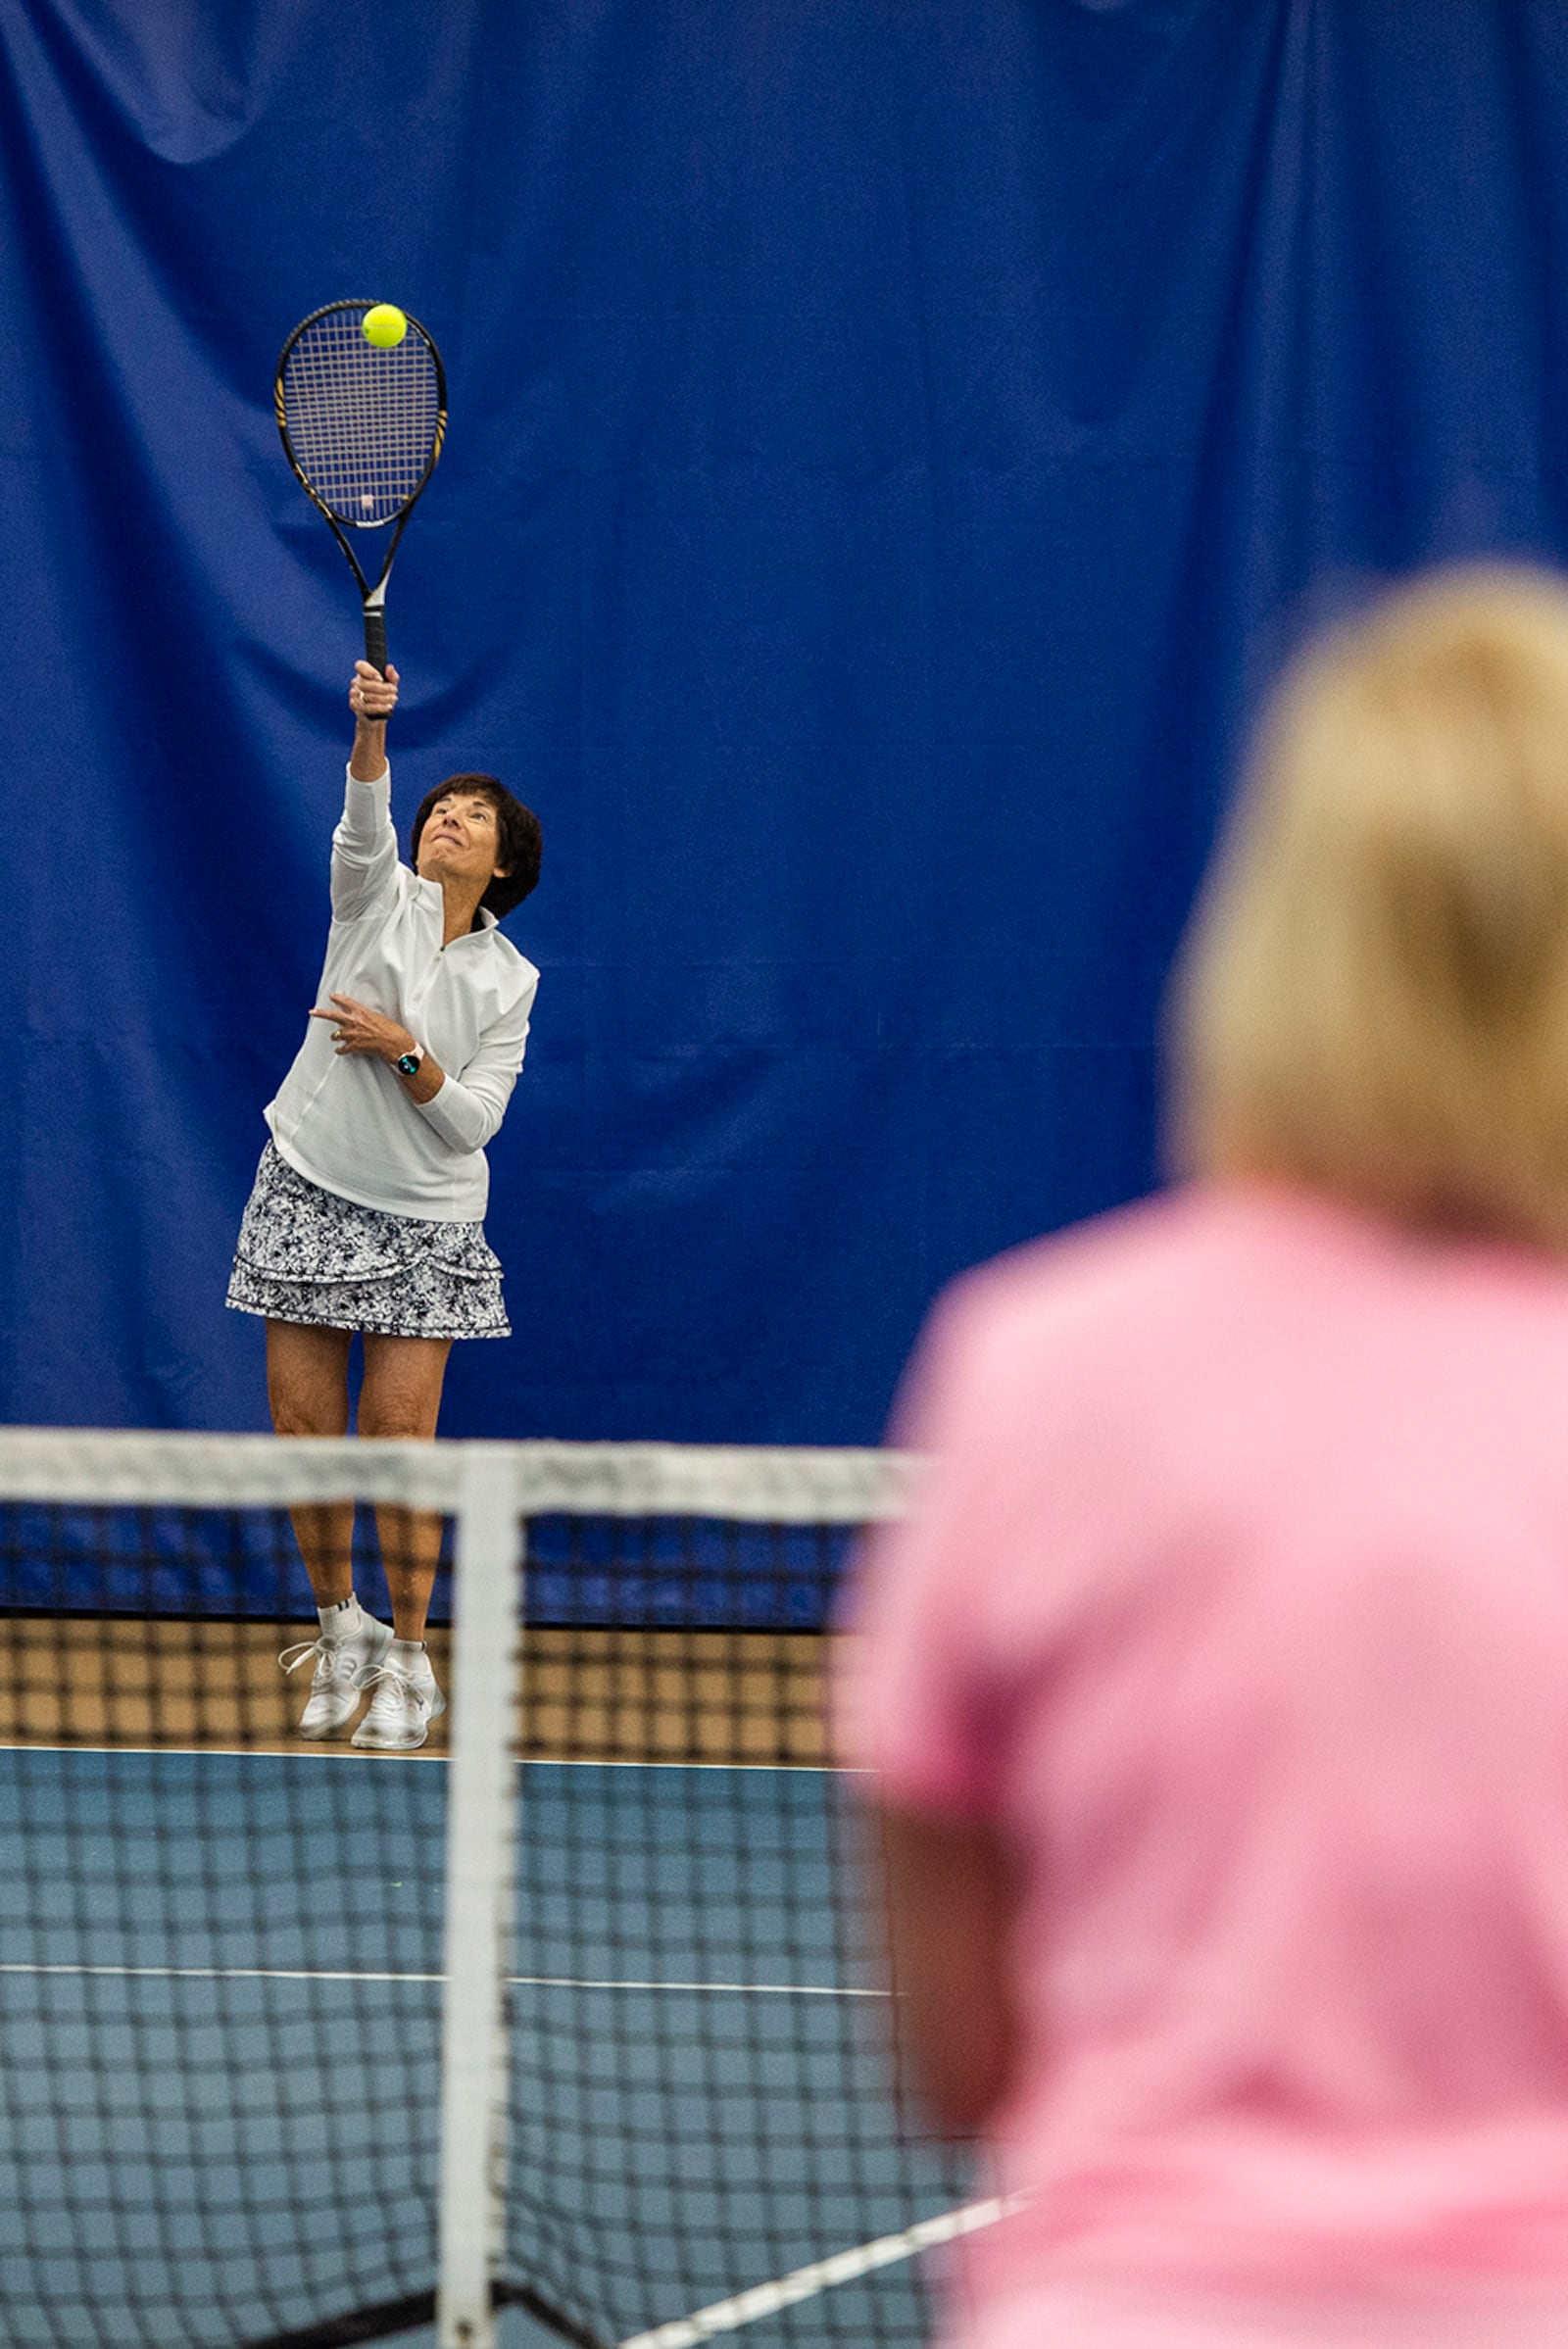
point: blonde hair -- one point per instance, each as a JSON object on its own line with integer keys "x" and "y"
{"x": 1373, "y": 995}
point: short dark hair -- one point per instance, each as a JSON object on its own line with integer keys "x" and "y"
{"x": 520, "y": 843}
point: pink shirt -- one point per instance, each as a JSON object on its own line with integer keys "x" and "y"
{"x": 1237, "y": 1596}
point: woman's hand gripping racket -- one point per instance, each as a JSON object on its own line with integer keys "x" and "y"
{"x": 362, "y": 425}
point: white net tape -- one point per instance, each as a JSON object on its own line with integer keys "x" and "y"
{"x": 742, "y": 1482}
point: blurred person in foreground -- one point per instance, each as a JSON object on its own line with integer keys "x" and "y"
{"x": 1217, "y": 1689}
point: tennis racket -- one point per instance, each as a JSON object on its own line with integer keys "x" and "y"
{"x": 363, "y": 428}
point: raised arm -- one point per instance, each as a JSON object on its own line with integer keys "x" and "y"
{"x": 364, "y": 847}
{"x": 373, "y": 699}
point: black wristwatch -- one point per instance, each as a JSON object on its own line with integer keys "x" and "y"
{"x": 407, "y": 1064}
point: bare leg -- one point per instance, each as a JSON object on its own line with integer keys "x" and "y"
{"x": 308, "y": 1388}
{"x": 402, "y": 1397}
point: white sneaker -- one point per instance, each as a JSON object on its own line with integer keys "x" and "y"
{"x": 342, "y": 1668}
{"x": 406, "y": 1701}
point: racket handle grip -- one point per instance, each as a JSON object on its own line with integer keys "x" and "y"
{"x": 375, "y": 637}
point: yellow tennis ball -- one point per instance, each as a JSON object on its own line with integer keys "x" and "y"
{"x": 384, "y": 325}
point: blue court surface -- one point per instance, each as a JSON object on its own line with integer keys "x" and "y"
{"x": 219, "y": 2020}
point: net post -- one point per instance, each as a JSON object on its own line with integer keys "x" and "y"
{"x": 480, "y": 1818}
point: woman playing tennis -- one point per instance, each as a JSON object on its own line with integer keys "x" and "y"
{"x": 366, "y": 1212}
{"x": 1217, "y": 1690}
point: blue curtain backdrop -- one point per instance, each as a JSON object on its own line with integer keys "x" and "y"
{"x": 890, "y": 441}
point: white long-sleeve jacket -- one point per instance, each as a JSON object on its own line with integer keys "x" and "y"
{"x": 347, "y": 1122}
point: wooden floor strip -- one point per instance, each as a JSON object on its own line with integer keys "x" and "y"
{"x": 615, "y": 1695}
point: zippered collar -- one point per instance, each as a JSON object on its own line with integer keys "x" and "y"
{"x": 436, "y": 902}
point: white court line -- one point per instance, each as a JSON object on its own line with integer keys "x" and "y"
{"x": 302, "y": 1752}
{"x": 306, "y": 1752}
{"x": 766, "y": 2299}
{"x": 515, "y": 1981}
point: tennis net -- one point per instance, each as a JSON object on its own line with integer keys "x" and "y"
{"x": 576, "y": 2010}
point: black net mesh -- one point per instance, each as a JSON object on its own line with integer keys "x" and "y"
{"x": 702, "y": 2094}
{"x": 221, "y": 1950}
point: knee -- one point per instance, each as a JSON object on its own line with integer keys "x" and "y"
{"x": 401, "y": 1396}
{"x": 317, "y": 1405}
{"x": 297, "y": 1413}
{"x": 396, "y": 1416}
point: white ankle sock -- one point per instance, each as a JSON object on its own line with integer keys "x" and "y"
{"x": 340, "y": 1618}
{"x": 405, "y": 1651}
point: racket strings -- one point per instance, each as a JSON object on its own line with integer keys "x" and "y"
{"x": 363, "y": 424}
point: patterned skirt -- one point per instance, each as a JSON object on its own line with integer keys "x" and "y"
{"x": 304, "y": 1254}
